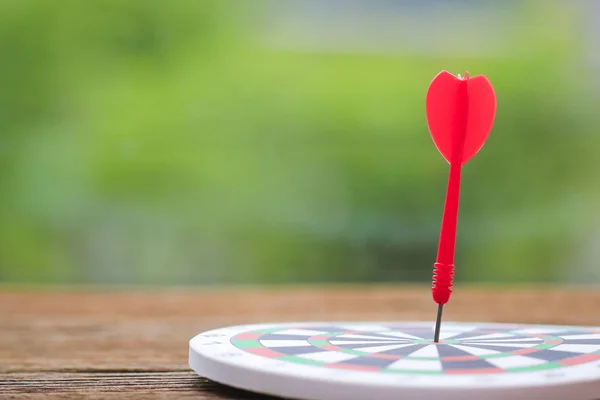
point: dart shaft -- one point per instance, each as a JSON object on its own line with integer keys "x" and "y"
{"x": 443, "y": 271}
{"x": 447, "y": 242}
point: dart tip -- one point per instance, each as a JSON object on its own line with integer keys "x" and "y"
{"x": 438, "y": 323}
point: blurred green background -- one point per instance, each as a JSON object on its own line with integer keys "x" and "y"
{"x": 199, "y": 142}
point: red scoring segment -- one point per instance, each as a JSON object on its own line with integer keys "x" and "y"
{"x": 460, "y": 114}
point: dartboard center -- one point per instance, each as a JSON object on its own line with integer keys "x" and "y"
{"x": 443, "y": 342}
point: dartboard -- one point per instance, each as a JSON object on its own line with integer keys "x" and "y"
{"x": 314, "y": 360}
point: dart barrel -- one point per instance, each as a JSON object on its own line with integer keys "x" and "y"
{"x": 443, "y": 278}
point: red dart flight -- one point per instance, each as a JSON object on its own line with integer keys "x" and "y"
{"x": 460, "y": 115}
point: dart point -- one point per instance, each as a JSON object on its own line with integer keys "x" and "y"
{"x": 438, "y": 323}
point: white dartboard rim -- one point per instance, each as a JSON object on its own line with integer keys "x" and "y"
{"x": 219, "y": 360}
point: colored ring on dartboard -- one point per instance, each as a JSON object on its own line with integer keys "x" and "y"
{"x": 367, "y": 358}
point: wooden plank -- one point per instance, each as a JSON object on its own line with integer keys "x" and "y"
{"x": 123, "y": 343}
{"x": 135, "y": 385}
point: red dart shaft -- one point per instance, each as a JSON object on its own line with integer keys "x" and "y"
{"x": 443, "y": 273}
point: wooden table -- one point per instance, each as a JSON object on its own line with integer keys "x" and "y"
{"x": 76, "y": 343}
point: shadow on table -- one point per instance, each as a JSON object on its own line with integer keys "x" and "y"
{"x": 219, "y": 391}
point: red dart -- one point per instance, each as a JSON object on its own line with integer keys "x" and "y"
{"x": 460, "y": 114}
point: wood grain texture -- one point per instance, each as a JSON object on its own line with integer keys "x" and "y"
{"x": 84, "y": 343}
